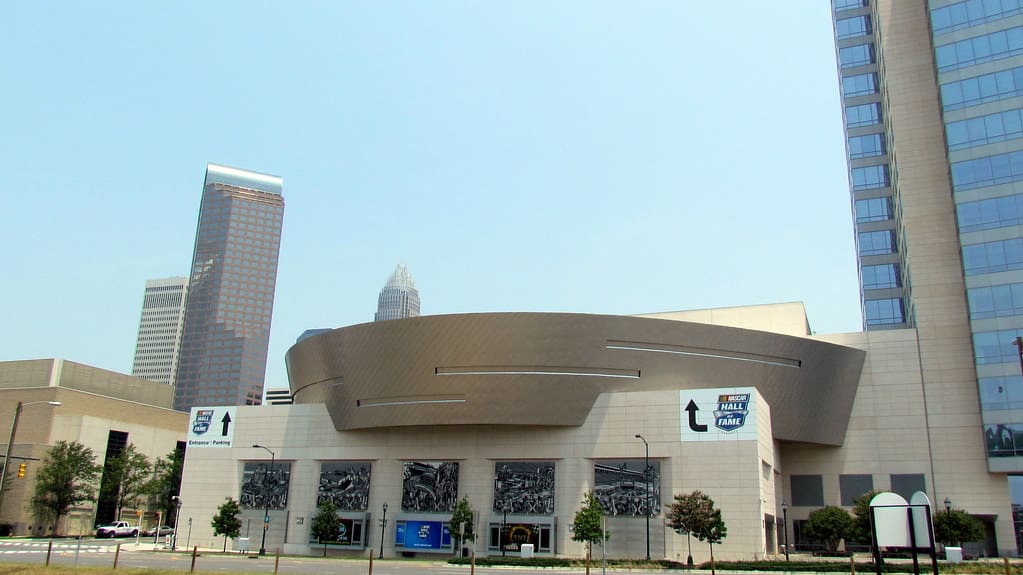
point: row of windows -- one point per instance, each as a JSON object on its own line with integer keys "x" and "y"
{"x": 808, "y": 490}
{"x": 848, "y": 4}
{"x": 883, "y": 276}
{"x": 991, "y": 257}
{"x": 863, "y": 115}
{"x": 1001, "y": 392}
{"x": 995, "y": 346}
{"x": 1000, "y": 127}
{"x": 987, "y": 171}
{"x": 884, "y": 311}
{"x": 971, "y": 13}
{"x": 990, "y": 213}
{"x": 982, "y": 89}
{"x": 870, "y": 177}
{"x": 996, "y": 301}
{"x": 866, "y": 146}
{"x": 873, "y": 210}
{"x": 993, "y": 46}
{"x": 877, "y": 243}
{"x": 859, "y": 85}
{"x": 852, "y": 27}
{"x": 859, "y": 55}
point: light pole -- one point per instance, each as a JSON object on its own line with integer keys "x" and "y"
{"x": 266, "y": 497}
{"x": 785, "y": 527}
{"x": 383, "y": 526}
{"x": 646, "y": 483}
{"x": 948, "y": 507}
{"x": 177, "y": 515}
{"x": 10, "y": 442}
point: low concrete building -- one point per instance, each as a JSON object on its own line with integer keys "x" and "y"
{"x": 100, "y": 409}
{"x": 524, "y": 413}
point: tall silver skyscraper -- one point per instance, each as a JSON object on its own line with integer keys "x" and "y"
{"x": 399, "y": 298}
{"x": 159, "y": 338}
{"x": 231, "y": 290}
{"x": 932, "y": 95}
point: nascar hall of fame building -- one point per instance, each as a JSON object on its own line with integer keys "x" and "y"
{"x": 525, "y": 413}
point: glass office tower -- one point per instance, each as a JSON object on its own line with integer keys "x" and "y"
{"x": 933, "y": 108}
{"x": 231, "y": 290}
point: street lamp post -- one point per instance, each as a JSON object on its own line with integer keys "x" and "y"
{"x": 10, "y": 443}
{"x": 383, "y": 527}
{"x": 948, "y": 507}
{"x": 266, "y": 496}
{"x": 177, "y": 515}
{"x": 785, "y": 527}
{"x": 646, "y": 483}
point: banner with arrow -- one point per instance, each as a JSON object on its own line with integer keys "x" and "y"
{"x": 211, "y": 426}
{"x": 723, "y": 414}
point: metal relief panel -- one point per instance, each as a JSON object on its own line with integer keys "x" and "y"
{"x": 625, "y": 486}
{"x": 346, "y": 483}
{"x": 524, "y": 487}
{"x": 429, "y": 486}
{"x": 263, "y": 487}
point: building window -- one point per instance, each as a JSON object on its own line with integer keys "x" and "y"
{"x": 971, "y": 13}
{"x": 807, "y": 490}
{"x": 863, "y": 115}
{"x": 848, "y": 4}
{"x": 884, "y": 311}
{"x": 990, "y": 213}
{"x": 982, "y": 89}
{"x": 853, "y": 486}
{"x": 1001, "y": 439}
{"x": 993, "y": 257}
{"x": 988, "y": 129}
{"x": 859, "y": 55}
{"x": 1001, "y": 392}
{"x": 996, "y": 301}
{"x": 852, "y": 27}
{"x": 877, "y": 242}
{"x": 995, "y": 346}
{"x": 873, "y": 210}
{"x": 906, "y": 484}
{"x": 987, "y": 171}
{"x": 884, "y": 276}
{"x": 870, "y": 177}
{"x": 866, "y": 146}
{"x": 986, "y": 48}
{"x": 859, "y": 85}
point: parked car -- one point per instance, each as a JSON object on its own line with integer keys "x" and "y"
{"x": 116, "y": 529}
{"x": 162, "y": 532}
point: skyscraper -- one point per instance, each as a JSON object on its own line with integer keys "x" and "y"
{"x": 159, "y": 338}
{"x": 231, "y": 290}
{"x": 934, "y": 123}
{"x": 399, "y": 298}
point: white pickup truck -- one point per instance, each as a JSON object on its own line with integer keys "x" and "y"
{"x": 117, "y": 529}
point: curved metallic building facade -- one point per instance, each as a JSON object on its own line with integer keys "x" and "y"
{"x": 547, "y": 369}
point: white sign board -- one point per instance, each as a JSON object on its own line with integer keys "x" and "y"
{"x": 211, "y": 426}
{"x": 891, "y": 520}
{"x": 722, "y": 414}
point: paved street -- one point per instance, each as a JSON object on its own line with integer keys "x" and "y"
{"x": 100, "y": 552}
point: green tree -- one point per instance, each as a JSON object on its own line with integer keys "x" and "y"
{"x": 860, "y": 530}
{"x": 66, "y": 479}
{"x": 830, "y": 524}
{"x": 326, "y": 523}
{"x": 461, "y": 524}
{"x": 713, "y": 530}
{"x": 226, "y": 522}
{"x": 165, "y": 484}
{"x": 687, "y": 513}
{"x": 955, "y": 527}
{"x": 126, "y": 479}
{"x": 587, "y": 526}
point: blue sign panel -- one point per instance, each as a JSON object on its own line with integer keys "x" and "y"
{"x": 422, "y": 535}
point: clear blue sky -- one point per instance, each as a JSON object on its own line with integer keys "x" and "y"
{"x": 615, "y": 158}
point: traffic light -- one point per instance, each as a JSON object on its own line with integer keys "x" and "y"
{"x": 21, "y": 470}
